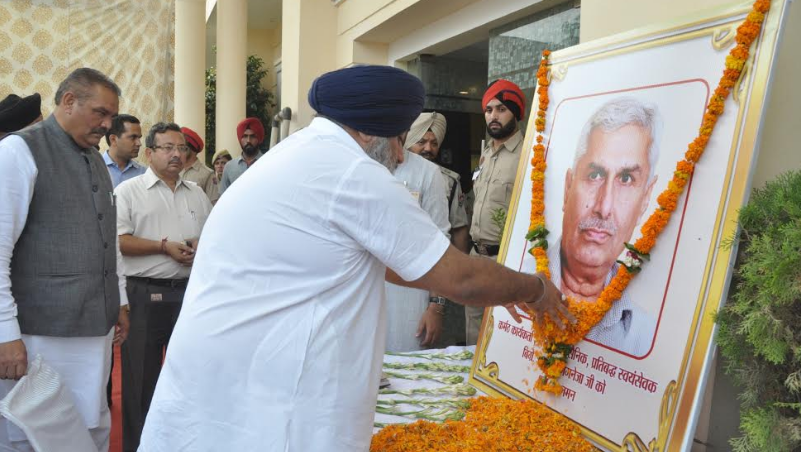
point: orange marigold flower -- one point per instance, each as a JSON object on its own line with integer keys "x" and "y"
{"x": 740, "y": 51}
{"x": 685, "y": 167}
{"x": 735, "y": 63}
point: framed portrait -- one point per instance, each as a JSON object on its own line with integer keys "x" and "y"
{"x": 622, "y": 112}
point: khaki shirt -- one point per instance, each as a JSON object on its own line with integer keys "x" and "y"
{"x": 204, "y": 178}
{"x": 493, "y": 186}
{"x": 456, "y": 212}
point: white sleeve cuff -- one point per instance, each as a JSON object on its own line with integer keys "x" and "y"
{"x": 9, "y": 330}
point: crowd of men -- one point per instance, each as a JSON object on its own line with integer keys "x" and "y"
{"x": 275, "y": 333}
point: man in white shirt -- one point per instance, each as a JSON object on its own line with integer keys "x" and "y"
{"x": 60, "y": 283}
{"x": 280, "y": 341}
{"x": 159, "y": 220}
{"x": 413, "y": 320}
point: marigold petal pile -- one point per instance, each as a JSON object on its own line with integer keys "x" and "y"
{"x": 491, "y": 424}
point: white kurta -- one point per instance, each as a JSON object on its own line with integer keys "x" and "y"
{"x": 280, "y": 339}
{"x": 82, "y": 362}
{"x": 406, "y": 305}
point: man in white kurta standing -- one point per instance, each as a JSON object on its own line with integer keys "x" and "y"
{"x": 159, "y": 220}
{"x": 414, "y": 321}
{"x": 60, "y": 291}
{"x": 280, "y": 340}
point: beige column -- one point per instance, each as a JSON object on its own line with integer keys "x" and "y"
{"x": 232, "y": 32}
{"x": 308, "y": 41}
{"x": 190, "y": 65}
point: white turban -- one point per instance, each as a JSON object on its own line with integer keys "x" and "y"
{"x": 427, "y": 121}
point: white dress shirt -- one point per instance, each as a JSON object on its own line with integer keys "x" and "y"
{"x": 148, "y": 208}
{"x": 280, "y": 339}
{"x": 625, "y": 327}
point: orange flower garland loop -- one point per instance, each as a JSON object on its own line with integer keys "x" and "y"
{"x": 554, "y": 344}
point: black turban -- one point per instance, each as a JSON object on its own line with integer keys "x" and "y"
{"x": 17, "y": 112}
{"x": 376, "y": 100}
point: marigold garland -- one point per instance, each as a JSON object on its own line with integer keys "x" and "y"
{"x": 555, "y": 344}
{"x": 491, "y": 424}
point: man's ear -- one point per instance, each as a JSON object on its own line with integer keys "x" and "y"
{"x": 568, "y": 182}
{"x": 68, "y": 100}
{"x": 112, "y": 140}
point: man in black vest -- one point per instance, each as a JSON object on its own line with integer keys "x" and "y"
{"x": 60, "y": 291}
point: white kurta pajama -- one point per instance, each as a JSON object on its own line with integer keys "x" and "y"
{"x": 82, "y": 362}
{"x": 406, "y": 305}
{"x": 280, "y": 341}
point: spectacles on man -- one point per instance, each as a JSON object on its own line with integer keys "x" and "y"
{"x": 169, "y": 148}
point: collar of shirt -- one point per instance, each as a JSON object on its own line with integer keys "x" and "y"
{"x": 325, "y": 128}
{"x": 241, "y": 160}
{"x": 510, "y": 145}
{"x": 110, "y": 162}
{"x": 151, "y": 179}
{"x": 622, "y": 307}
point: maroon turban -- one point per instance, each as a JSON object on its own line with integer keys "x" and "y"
{"x": 192, "y": 139}
{"x": 253, "y": 124}
{"x": 509, "y": 94}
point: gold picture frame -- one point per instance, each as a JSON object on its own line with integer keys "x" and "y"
{"x": 681, "y": 396}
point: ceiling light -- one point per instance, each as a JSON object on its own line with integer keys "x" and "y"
{"x": 463, "y": 92}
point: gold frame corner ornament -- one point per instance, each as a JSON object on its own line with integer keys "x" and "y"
{"x": 632, "y": 442}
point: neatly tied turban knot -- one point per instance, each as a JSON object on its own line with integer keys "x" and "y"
{"x": 427, "y": 121}
{"x": 509, "y": 94}
{"x": 380, "y": 101}
{"x": 253, "y": 124}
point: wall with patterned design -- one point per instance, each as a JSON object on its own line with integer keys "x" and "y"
{"x": 131, "y": 41}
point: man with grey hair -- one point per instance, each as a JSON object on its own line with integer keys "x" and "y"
{"x": 159, "y": 219}
{"x": 606, "y": 193}
{"x": 60, "y": 287}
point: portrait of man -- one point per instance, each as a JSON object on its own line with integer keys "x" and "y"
{"x": 606, "y": 193}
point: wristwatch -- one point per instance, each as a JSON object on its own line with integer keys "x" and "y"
{"x": 438, "y": 300}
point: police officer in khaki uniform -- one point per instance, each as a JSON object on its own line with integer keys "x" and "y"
{"x": 504, "y": 106}
{"x": 424, "y": 138}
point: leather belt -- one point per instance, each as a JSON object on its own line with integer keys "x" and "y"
{"x": 486, "y": 250}
{"x": 173, "y": 283}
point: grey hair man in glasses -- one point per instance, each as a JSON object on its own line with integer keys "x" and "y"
{"x": 159, "y": 220}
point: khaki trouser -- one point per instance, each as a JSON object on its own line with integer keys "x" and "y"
{"x": 473, "y": 314}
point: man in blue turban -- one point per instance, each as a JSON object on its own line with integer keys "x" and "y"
{"x": 280, "y": 340}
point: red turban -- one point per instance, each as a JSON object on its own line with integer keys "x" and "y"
{"x": 253, "y": 124}
{"x": 192, "y": 139}
{"x": 509, "y": 94}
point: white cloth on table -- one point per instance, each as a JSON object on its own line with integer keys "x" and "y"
{"x": 281, "y": 336}
{"x": 406, "y": 305}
